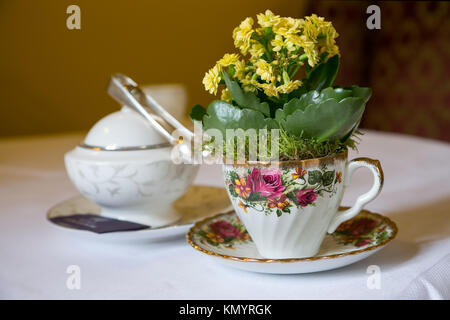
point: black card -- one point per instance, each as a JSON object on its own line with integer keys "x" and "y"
{"x": 96, "y": 223}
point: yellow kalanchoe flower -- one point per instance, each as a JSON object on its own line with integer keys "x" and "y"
{"x": 249, "y": 85}
{"x": 295, "y": 40}
{"x": 288, "y": 26}
{"x": 290, "y": 45}
{"x": 310, "y": 31}
{"x": 264, "y": 70}
{"x": 274, "y": 47}
{"x": 311, "y": 52}
{"x": 268, "y": 19}
{"x": 226, "y": 95}
{"x": 228, "y": 59}
{"x": 277, "y": 43}
{"x": 256, "y": 50}
{"x": 329, "y": 43}
{"x": 211, "y": 79}
{"x": 242, "y": 35}
{"x": 239, "y": 68}
{"x": 314, "y": 18}
{"x": 269, "y": 89}
{"x": 289, "y": 87}
{"x": 320, "y": 37}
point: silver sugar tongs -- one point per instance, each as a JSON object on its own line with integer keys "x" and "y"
{"x": 128, "y": 93}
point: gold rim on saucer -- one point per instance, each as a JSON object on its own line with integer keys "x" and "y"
{"x": 384, "y": 219}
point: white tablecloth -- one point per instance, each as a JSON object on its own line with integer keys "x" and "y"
{"x": 35, "y": 255}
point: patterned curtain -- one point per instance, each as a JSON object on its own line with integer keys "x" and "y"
{"x": 406, "y": 62}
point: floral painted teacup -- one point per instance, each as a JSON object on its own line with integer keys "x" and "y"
{"x": 288, "y": 208}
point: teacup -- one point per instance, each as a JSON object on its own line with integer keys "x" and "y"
{"x": 287, "y": 207}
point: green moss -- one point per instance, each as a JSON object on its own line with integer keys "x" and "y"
{"x": 297, "y": 147}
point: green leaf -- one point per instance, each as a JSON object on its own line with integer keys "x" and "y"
{"x": 382, "y": 236}
{"x": 280, "y": 115}
{"x": 361, "y": 92}
{"x": 286, "y": 209}
{"x": 333, "y": 93}
{"x": 328, "y": 178}
{"x": 197, "y": 113}
{"x": 233, "y": 176}
{"x": 322, "y": 75}
{"x": 329, "y": 119}
{"x": 311, "y": 97}
{"x": 255, "y": 197}
{"x": 279, "y": 213}
{"x": 297, "y": 93}
{"x": 314, "y": 176}
{"x": 364, "y": 93}
{"x": 291, "y": 195}
{"x": 232, "y": 191}
{"x": 222, "y": 115}
{"x": 244, "y": 99}
{"x": 349, "y": 134}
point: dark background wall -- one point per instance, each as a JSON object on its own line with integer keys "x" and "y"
{"x": 53, "y": 79}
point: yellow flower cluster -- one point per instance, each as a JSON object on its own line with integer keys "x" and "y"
{"x": 264, "y": 70}
{"x": 276, "y": 49}
{"x": 319, "y": 38}
{"x": 242, "y": 35}
{"x": 213, "y": 76}
{"x": 212, "y": 79}
{"x": 268, "y": 19}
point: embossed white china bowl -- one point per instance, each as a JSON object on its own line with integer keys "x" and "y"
{"x": 125, "y": 167}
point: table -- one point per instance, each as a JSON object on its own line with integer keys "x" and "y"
{"x": 35, "y": 255}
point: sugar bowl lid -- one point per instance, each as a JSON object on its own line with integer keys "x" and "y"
{"x": 124, "y": 130}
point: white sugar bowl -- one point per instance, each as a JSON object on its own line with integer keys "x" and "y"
{"x": 124, "y": 165}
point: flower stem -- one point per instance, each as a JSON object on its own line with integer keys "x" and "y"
{"x": 294, "y": 71}
{"x": 267, "y": 54}
{"x": 286, "y": 77}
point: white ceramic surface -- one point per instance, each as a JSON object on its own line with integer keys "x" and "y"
{"x": 126, "y": 184}
{"x": 172, "y": 96}
{"x": 225, "y": 239}
{"x": 124, "y": 128}
{"x": 288, "y": 210}
{"x": 197, "y": 203}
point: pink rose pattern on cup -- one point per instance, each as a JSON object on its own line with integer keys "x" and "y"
{"x": 266, "y": 182}
{"x": 305, "y": 197}
{"x": 271, "y": 190}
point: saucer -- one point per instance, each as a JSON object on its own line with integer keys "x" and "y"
{"x": 197, "y": 203}
{"x": 353, "y": 241}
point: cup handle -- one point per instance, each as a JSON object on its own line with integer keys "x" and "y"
{"x": 377, "y": 171}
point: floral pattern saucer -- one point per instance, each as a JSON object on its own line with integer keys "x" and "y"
{"x": 224, "y": 238}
